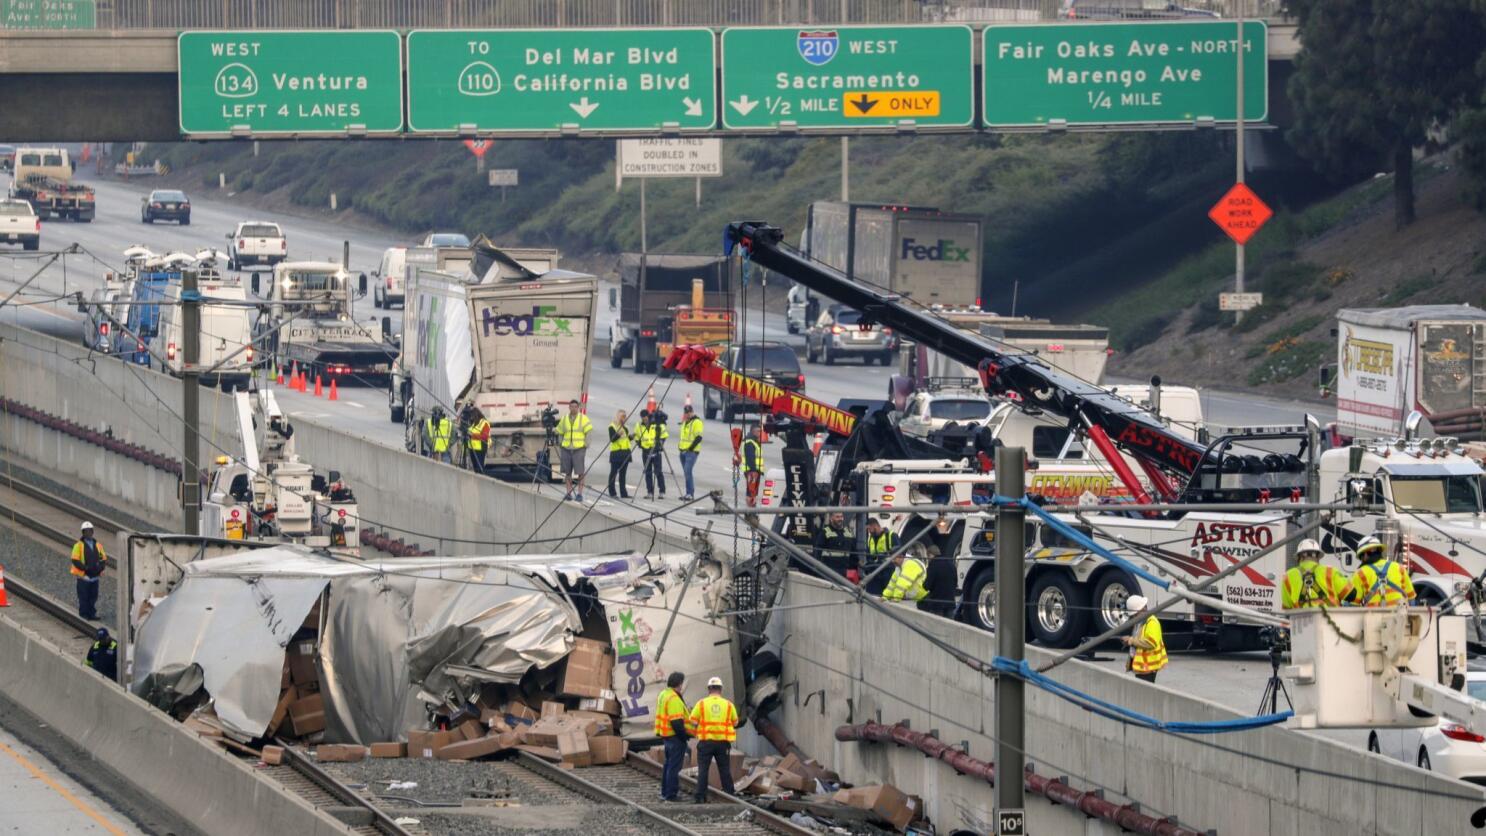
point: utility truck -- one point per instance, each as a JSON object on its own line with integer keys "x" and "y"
{"x": 512, "y": 342}
{"x": 43, "y": 178}
{"x": 321, "y": 336}
{"x": 665, "y": 301}
{"x": 268, "y": 493}
{"x": 225, "y": 343}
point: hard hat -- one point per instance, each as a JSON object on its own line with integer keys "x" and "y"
{"x": 101, "y": 634}
{"x": 1369, "y": 543}
{"x": 1308, "y": 545}
{"x": 714, "y": 682}
{"x": 1135, "y": 603}
{"x": 87, "y": 526}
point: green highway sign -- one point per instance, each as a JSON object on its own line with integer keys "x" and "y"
{"x": 847, "y": 77}
{"x": 48, "y": 14}
{"x": 548, "y": 80}
{"x": 261, "y": 83}
{"x": 1122, "y": 73}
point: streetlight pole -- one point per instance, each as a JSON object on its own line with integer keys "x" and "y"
{"x": 1238, "y": 141}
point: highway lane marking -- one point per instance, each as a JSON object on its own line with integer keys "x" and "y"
{"x": 86, "y": 808}
{"x": 359, "y": 406}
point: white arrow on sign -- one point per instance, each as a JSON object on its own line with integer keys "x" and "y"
{"x": 584, "y": 107}
{"x": 744, "y": 105}
{"x": 693, "y": 106}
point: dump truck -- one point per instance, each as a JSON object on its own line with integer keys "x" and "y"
{"x": 512, "y": 342}
{"x": 1394, "y": 361}
{"x": 667, "y": 300}
{"x": 43, "y": 178}
{"x": 920, "y": 252}
{"x": 322, "y": 336}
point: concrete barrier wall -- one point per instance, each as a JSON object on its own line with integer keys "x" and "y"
{"x": 156, "y": 756}
{"x": 1269, "y": 781}
{"x": 436, "y": 504}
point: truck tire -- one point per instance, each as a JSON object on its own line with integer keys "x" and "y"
{"x": 396, "y": 413}
{"x": 1108, "y": 601}
{"x": 149, "y": 219}
{"x": 616, "y": 361}
{"x": 710, "y": 412}
{"x": 809, "y": 351}
{"x": 1057, "y": 610}
{"x": 980, "y": 598}
{"x": 35, "y": 243}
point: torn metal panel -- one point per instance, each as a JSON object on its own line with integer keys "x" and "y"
{"x": 235, "y": 629}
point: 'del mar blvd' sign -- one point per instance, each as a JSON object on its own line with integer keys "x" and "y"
{"x": 300, "y": 82}
{"x": 545, "y": 79}
{"x": 1118, "y": 73}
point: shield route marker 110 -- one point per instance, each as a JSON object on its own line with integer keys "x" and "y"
{"x": 847, "y": 77}
{"x": 301, "y": 83}
{"x": 552, "y": 80}
{"x": 1156, "y": 72}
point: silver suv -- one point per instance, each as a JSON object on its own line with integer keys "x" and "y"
{"x": 840, "y": 332}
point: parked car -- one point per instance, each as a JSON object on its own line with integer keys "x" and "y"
{"x": 770, "y": 362}
{"x": 839, "y": 332}
{"x": 391, "y": 278}
{"x": 165, "y": 205}
{"x": 7, "y": 158}
{"x": 445, "y": 239}
{"x": 256, "y": 242}
{"x": 1444, "y": 747}
{"x": 19, "y": 224}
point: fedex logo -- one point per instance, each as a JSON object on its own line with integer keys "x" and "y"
{"x": 540, "y": 322}
{"x": 629, "y": 653}
{"x": 942, "y": 250}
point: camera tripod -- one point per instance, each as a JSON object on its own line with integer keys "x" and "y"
{"x": 1269, "y": 703}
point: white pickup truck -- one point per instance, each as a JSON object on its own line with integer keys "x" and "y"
{"x": 19, "y": 224}
{"x": 256, "y": 242}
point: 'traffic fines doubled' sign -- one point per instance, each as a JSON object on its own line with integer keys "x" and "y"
{"x": 681, "y": 157}
{"x": 847, "y": 77}
{"x": 545, "y": 79}
{"x": 292, "y": 82}
{"x": 1240, "y": 213}
{"x": 1122, "y": 73}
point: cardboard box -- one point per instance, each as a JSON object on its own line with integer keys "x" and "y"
{"x": 735, "y": 764}
{"x": 273, "y": 755}
{"x": 520, "y": 711}
{"x": 203, "y": 727}
{"x": 603, "y": 723}
{"x": 792, "y": 765}
{"x": 468, "y": 750}
{"x": 509, "y": 739}
{"x": 572, "y": 744}
{"x": 588, "y": 671}
{"x": 339, "y": 753}
{"x": 389, "y": 750}
{"x": 657, "y": 754}
{"x": 761, "y": 783}
{"x": 471, "y": 729}
{"x": 423, "y": 744}
{"x": 301, "y": 657}
{"x": 284, "y": 676}
{"x": 589, "y": 726}
{"x": 887, "y": 803}
{"x": 608, "y": 749}
{"x": 546, "y": 753}
{"x": 791, "y": 781}
{"x": 307, "y": 715}
{"x": 603, "y": 705}
{"x": 544, "y": 732}
{"x": 553, "y": 709}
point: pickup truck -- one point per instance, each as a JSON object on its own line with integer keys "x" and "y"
{"x": 256, "y": 242}
{"x": 19, "y": 224}
{"x": 43, "y": 178}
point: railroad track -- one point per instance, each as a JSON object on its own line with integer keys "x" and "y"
{"x": 52, "y": 517}
{"x": 635, "y": 784}
{"x": 302, "y": 776}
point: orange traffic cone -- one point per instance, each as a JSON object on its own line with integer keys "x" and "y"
{"x": 4, "y": 601}
{"x": 650, "y": 400}
{"x": 334, "y": 393}
{"x": 294, "y": 375}
{"x": 279, "y": 374}
{"x": 303, "y": 384}
{"x": 319, "y": 390}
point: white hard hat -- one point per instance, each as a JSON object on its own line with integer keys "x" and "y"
{"x": 87, "y": 526}
{"x": 1307, "y": 545}
{"x": 714, "y": 682}
{"x": 1135, "y": 603}
{"x": 1369, "y": 543}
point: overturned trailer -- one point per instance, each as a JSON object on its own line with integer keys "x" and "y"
{"x": 395, "y": 643}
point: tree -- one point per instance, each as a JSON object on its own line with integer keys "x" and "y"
{"x": 1373, "y": 76}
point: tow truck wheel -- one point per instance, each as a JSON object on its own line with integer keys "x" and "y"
{"x": 1109, "y": 600}
{"x": 982, "y": 600}
{"x": 1057, "y": 610}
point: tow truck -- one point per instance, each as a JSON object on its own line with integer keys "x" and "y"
{"x": 270, "y": 494}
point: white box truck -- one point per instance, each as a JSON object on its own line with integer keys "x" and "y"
{"x": 929, "y": 256}
{"x": 1390, "y": 362}
{"x": 226, "y": 341}
{"x": 513, "y": 343}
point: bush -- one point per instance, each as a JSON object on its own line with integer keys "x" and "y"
{"x": 1146, "y": 332}
{"x": 1406, "y": 289}
{"x": 1288, "y": 359}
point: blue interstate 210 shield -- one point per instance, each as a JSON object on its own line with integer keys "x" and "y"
{"x": 818, "y": 47}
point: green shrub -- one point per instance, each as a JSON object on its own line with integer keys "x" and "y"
{"x": 1293, "y": 360}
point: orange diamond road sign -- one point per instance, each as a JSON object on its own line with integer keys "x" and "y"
{"x": 1240, "y": 213}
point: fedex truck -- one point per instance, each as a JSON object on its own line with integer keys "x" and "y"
{"x": 929, "y": 256}
{"x": 513, "y": 343}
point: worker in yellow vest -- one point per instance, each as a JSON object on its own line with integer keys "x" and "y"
{"x": 907, "y": 582}
{"x": 1311, "y": 584}
{"x": 751, "y": 457}
{"x": 691, "y": 448}
{"x": 715, "y": 723}
{"x": 572, "y": 448}
{"x": 438, "y": 431}
{"x": 1380, "y": 582}
{"x": 651, "y": 435}
{"x": 621, "y": 444}
{"x": 88, "y": 561}
{"x": 670, "y": 727}
{"x": 1147, "y": 647}
{"x": 477, "y": 437}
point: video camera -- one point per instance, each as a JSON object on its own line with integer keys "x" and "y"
{"x": 659, "y": 416}
{"x": 549, "y": 418}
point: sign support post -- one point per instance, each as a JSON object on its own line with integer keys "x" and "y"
{"x": 1238, "y": 141}
{"x": 1011, "y": 623}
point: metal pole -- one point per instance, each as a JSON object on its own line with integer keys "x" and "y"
{"x": 845, "y": 168}
{"x": 191, "y": 403}
{"x": 644, "y": 246}
{"x": 1011, "y": 640}
{"x": 1238, "y": 265}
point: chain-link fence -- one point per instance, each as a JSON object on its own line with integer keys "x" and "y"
{"x": 435, "y": 14}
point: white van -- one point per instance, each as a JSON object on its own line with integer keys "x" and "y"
{"x": 391, "y": 278}
{"x": 224, "y": 330}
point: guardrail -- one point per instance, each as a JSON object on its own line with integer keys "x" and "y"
{"x": 447, "y": 14}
